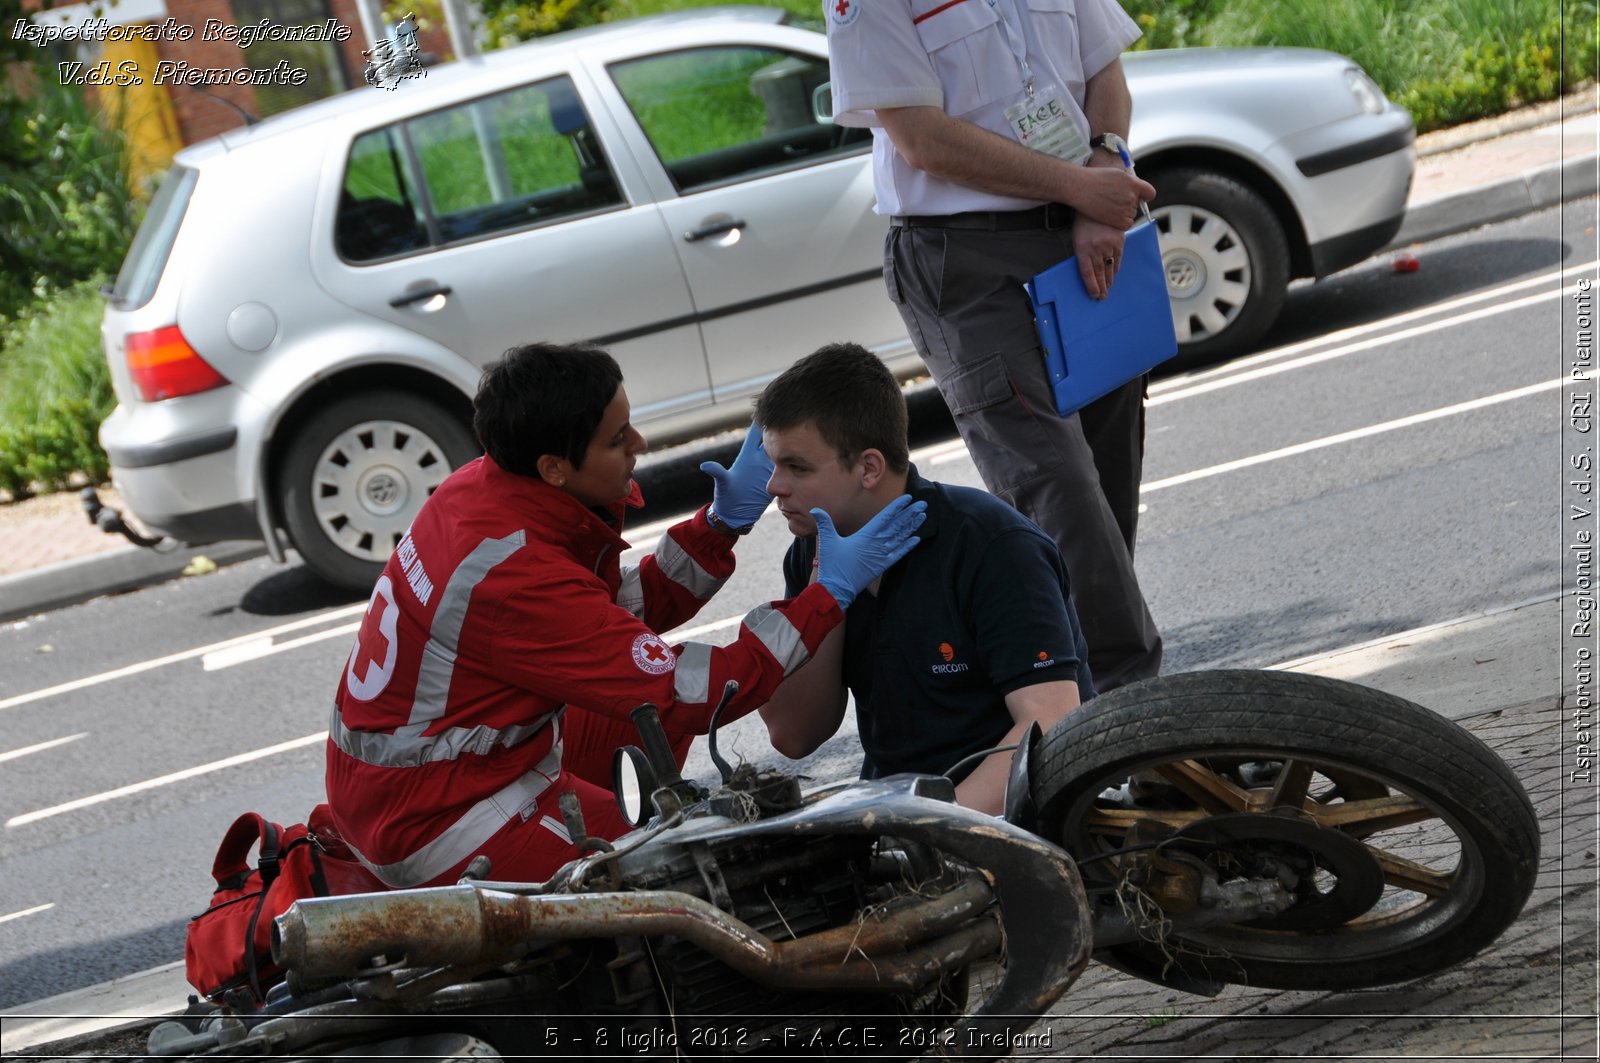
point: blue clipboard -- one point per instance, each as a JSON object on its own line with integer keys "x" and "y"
{"x": 1092, "y": 347}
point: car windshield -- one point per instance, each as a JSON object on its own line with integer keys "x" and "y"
{"x": 141, "y": 270}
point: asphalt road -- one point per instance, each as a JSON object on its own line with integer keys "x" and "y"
{"x": 1390, "y": 459}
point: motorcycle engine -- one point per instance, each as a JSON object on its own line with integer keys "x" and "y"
{"x": 783, "y": 888}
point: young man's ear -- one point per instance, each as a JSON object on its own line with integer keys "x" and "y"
{"x": 873, "y": 467}
{"x": 553, "y": 470}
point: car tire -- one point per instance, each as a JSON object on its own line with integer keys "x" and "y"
{"x": 355, "y": 475}
{"x": 1226, "y": 259}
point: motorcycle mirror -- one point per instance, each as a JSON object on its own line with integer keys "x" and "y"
{"x": 1019, "y": 807}
{"x": 632, "y": 783}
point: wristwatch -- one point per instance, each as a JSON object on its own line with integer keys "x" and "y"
{"x": 724, "y": 527}
{"x": 1105, "y": 142}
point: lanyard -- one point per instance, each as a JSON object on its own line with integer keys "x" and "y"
{"x": 1017, "y": 25}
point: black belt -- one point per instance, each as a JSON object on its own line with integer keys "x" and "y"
{"x": 1049, "y": 216}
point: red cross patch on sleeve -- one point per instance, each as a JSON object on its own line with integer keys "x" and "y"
{"x": 843, "y": 12}
{"x": 652, "y": 655}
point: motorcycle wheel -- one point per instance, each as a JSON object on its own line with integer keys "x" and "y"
{"x": 1249, "y": 764}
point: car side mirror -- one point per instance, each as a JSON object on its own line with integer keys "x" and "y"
{"x": 632, "y": 783}
{"x": 822, "y": 103}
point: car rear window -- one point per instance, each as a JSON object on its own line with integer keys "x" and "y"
{"x": 141, "y": 270}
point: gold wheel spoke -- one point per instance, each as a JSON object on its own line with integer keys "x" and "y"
{"x": 1361, "y": 818}
{"x": 1410, "y": 875}
{"x": 1292, "y": 785}
{"x": 1208, "y": 789}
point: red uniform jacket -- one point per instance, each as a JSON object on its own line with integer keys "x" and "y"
{"x": 504, "y": 603}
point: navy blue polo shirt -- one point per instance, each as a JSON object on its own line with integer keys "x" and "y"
{"x": 981, "y": 607}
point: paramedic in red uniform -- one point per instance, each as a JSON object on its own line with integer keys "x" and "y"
{"x": 505, "y": 610}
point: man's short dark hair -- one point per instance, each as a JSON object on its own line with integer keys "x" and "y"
{"x": 850, "y": 395}
{"x": 540, "y": 399}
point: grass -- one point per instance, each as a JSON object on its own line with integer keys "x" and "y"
{"x": 1161, "y": 1018}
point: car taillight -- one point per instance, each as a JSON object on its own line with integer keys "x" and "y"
{"x": 164, "y": 366}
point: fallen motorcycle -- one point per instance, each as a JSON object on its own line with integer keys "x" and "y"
{"x": 1259, "y": 828}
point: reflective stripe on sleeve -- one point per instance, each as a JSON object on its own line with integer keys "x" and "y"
{"x": 676, "y": 564}
{"x": 691, "y": 679}
{"x": 463, "y": 838}
{"x": 779, "y": 635}
{"x": 630, "y": 595}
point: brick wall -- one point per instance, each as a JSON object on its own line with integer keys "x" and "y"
{"x": 199, "y": 116}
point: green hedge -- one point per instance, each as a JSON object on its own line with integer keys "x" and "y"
{"x": 68, "y": 210}
{"x": 54, "y": 392}
{"x": 1446, "y": 61}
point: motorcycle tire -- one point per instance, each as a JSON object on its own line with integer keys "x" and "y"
{"x": 1447, "y": 842}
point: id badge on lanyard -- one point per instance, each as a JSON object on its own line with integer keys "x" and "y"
{"x": 1042, "y": 120}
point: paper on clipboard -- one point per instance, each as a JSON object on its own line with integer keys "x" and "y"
{"x": 1094, "y": 346}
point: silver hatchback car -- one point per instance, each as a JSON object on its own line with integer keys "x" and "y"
{"x": 300, "y": 324}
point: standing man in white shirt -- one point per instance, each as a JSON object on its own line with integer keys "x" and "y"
{"x": 988, "y": 119}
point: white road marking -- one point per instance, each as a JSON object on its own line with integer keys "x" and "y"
{"x": 1354, "y": 434}
{"x": 1352, "y": 348}
{"x": 165, "y": 780}
{"x": 258, "y": 648}
{"x": 35, "y": 910}
{"x": 1244, "y": 364}
{"x": 41, "y": 746}
{"x": 173, "y": 658}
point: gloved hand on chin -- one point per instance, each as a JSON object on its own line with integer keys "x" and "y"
{"x": 847, "y": 564}
{"x": 740, "y": 496}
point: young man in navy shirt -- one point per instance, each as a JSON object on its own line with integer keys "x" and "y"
{"x": 958, "y": 648}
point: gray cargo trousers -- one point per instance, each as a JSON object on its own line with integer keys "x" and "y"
{"x": 1077, "y": 477}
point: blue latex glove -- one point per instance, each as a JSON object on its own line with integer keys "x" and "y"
{"x": 846, "y": 564}
{"x": 740, "y": 495}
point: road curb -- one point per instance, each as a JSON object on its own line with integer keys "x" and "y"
{"x": 1512, "y": 197}
{"x": 77, "y": 1020}
{"x": 124, "y": 569}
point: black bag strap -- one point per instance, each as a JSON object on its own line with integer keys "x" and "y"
{"x": 232, "y": 865}
{"x": 319, "y": 885}
{"x": 250, "y": 968}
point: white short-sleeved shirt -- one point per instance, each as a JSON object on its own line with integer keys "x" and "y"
{"x": 957, "y": 55}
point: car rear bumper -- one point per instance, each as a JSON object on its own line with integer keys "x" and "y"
{"x": 171, "y": 451}
{"x": 185, "y": 467}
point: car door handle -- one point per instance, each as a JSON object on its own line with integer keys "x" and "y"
{"x": 419, "y": 295}
{"x": 716, "y": 228}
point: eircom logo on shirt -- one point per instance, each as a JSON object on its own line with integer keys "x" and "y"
{"x": 652, "y": 655}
